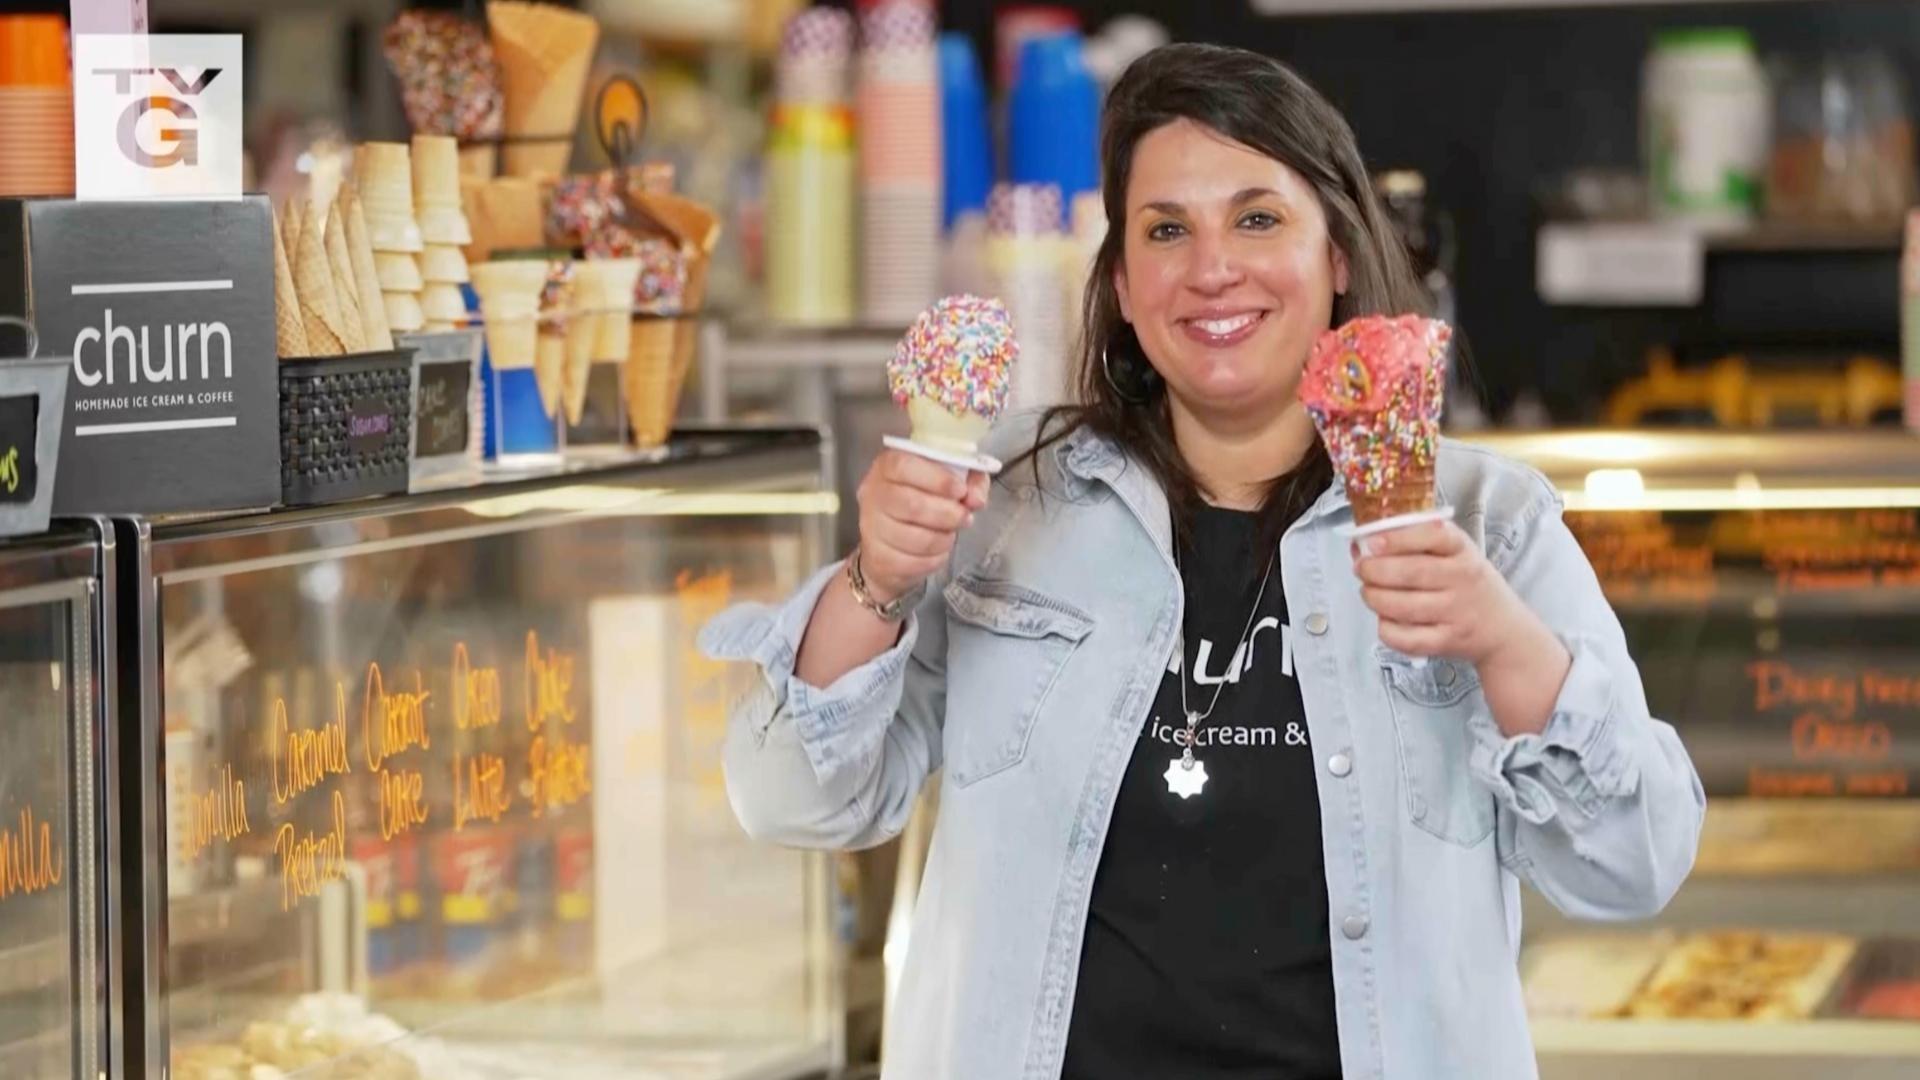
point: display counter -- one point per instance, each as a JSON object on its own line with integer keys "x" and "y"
{"x": 1769, "y": 586}
{"x": 431, "y": 785}
{"x": 55, "y": 677}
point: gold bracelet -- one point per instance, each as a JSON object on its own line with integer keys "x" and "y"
{"x": 893, "y": 611}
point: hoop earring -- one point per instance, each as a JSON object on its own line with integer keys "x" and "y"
{"x": 1106, "y": 369}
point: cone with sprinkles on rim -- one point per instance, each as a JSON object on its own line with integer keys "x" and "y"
{"x": 952, "y": 371}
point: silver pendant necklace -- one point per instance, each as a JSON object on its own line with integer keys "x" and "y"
{"x": 1186, "y": 775}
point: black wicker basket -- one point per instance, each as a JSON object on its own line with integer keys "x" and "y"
{"x": 346, "y": 426}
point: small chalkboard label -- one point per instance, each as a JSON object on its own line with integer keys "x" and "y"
{"x": 19, "y": 475}
{"x": 441, "y": 416}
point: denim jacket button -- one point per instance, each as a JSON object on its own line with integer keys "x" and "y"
{"x": 1354, "y": 926}
{"x": 1316, "y": 624}
{"x": 1340, "y": 764}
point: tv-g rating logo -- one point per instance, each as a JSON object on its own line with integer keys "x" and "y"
{"x": 157, "y": 116}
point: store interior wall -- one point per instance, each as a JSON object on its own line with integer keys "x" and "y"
{"x": 1492, "y": 104}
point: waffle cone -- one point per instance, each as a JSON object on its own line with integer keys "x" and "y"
{"x": 543, "y": 52}
{"x": 313, "y": 284}
{"x": 346, "y": 290}
{"x": 654, "y": 377}
{"x": 289, "y": 332}
{"x": 1414, "y": 493}
{"x": 373, "y": 311}
{"x": 504, "y": 214}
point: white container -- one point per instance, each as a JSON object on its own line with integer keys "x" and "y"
{"x": 1706, "y": 116}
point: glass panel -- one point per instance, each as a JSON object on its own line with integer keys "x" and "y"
{"x": 1782, "y": 643}
{"x": 455, "y": 810}
{"x": 38, "y": 869}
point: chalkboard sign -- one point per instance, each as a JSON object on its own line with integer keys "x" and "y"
{"x": 442, "y": 415}
{"x": 19, "y": 472}
{"x": 603, "y": 420}
{"x": 1781, "y": 644}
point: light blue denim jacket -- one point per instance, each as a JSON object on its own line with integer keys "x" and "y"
{"x": 1026, "y": 673}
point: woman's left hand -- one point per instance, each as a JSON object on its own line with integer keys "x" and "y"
{"x": 1436, "y": 594}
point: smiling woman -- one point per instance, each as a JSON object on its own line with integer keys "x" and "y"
{"x": 1167, "y": 847}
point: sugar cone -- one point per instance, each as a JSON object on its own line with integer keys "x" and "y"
{"x": 373, "y": 312}
{"x": 346, "y": 290}
{"x": 1413, "y": 494}
{"x": 544, "y": 52}
{"x": 289, "y": 332}
{"x": 652, "y": 382}
{"x": 313, "y": 284}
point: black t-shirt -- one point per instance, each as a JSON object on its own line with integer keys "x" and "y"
{"x": 1207, "y": 952}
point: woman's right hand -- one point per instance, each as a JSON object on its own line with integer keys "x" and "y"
{"x": 911, "y": 509}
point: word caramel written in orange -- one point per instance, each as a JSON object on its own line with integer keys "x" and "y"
{"x": 394, "y": 722}
{"x": 309, "y": 859}
{"x": 480, "y": 791}
{"x": 302, "y": 758}
{"x": 29, "y": 861}
{"x": 1829, "y": 552}
{"x": 217, "y": 814}
{"x": 548, "y": 694}
{"x": 477, "y": 698}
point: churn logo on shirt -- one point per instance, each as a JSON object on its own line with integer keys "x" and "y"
{"x": 1242, "y": 662}
{"x": 1243, "y": 657}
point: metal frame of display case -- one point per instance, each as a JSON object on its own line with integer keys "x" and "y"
{"x": 75, "y": 564}
{"x": 698, "y": 474}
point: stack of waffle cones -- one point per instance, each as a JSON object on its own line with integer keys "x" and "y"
{"x": 510, "y": 292}
{"x": 443, "y": 230}
{"x": 385, "y": 174}
{"x": 326, "y": 288}
{"x": 544, "y": 52}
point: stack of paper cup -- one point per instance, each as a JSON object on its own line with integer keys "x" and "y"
{"x": 1024, "y": 256}
{"x": 443, "y": 230}
{"x": 898, "y": 104}
{"x": 385, "y": 171}
{"x": 810, "y": 167}
{"x": 36, "y": 106}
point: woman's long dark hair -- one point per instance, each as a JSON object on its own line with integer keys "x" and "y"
{"x": 1261, "y": 103}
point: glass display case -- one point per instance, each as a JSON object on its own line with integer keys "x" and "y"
{"x": 432, "y": 784}
{"x": 55, "y": 678}
{"x": 1769, "y": 586}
